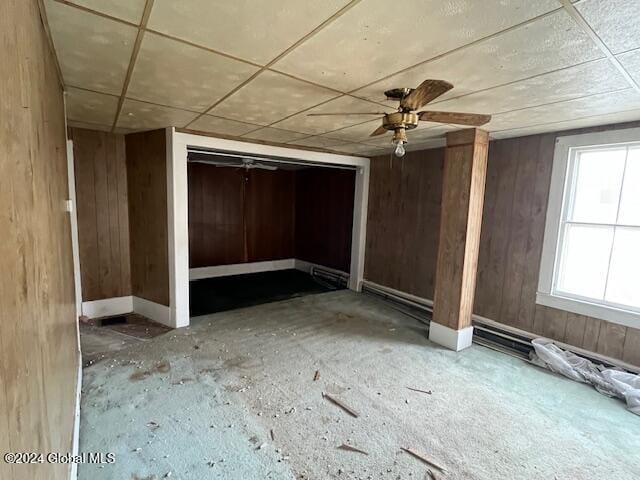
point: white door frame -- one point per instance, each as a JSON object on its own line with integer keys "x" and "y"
{"x": 177, "y": 207}
{"x": 73, "y": 216}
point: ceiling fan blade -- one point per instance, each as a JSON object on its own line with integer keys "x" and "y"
{"x": 458, "y": 118}
{"x": 261, "y": 166}
{"x": 347, "y": 113}
{"x": 378, "y": 131}
{"x": 427, "y": 92}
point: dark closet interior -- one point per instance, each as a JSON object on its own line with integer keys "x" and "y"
{"x": 242, "y": 215}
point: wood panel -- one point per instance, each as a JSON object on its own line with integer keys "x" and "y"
{"x": 324, "y": 216}
{"x": 147, "y": 189}
{"x": 517, "y": 189}
{"x": 38, "y": 348}
{"x": 465, "y": 169}
{"x": 103, "y": 214}
{"x": 216, "y": 206}
{"x": 403, "y": 221}
{"x": 270, "y": 214}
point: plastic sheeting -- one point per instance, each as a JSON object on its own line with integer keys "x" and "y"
{"x": 608, "y": 381}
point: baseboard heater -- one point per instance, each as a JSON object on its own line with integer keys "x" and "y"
{"x": 486, "y": 332}
{"x": 329, "y": 277}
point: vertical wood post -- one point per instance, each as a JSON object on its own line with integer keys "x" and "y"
{"x": 465, "y": 170}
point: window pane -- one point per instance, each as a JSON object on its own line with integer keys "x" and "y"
{"x": 630, "y": 202}
{"x": 624, "y": 285}
{"x": 584, "y": 260}
{"x": 597, "y": 186}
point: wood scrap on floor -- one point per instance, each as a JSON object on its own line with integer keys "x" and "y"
{"x": 349, "y": 448}
{"x": 422, "y": 457}
{"x": 428, "y": 392}
{"x": 316, "y": 376}
{"x": 272, "y": 435}
{"x": 337, "y": 402}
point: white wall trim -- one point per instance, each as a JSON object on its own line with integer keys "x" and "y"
{"x": 75, "y": 441}
{"x": 108, "y": 307}
{"x": 177, "y": 191}
{"x": 177, "y": 230}
{"x": 154, "y": 311}
{"x": 564, "y": 151}
{"x": 455, "y": 340}
{"x": 73, "y": 216}
{"x": 419, "y": 301}
{"x": 240, "y": 268}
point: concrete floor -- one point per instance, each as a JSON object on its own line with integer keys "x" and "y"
{"x": 203, "y": 402}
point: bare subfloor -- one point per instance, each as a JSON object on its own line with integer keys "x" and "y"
{"x": 234, "y": 397}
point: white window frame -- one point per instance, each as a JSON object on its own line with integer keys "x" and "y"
{"x": 565, "y": 150}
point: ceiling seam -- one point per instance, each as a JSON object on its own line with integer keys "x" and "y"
{"x": 514, "y": 82}
{"x": 95, "y": 12}
{"x": 584, "y": 25}
{"x": 460, "y": 48}
{"x": 278, "y": 57}
{"x": 571, "y": 120}
{"x": 132, "y": 61}
{"x": 562, "y": 101}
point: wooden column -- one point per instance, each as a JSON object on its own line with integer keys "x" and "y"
{"x": 465, "y": 169}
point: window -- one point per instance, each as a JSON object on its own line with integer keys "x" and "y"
{"x": 591, "y": 253}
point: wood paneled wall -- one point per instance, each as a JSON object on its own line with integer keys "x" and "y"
{"x": 403, "y": 221}
{"x": 38, "y": 347}
{"x": 103, "y": 213}
{"x": 147, "y": 187}
{"x": 216, "y": 214}
{"x": 518, "y": 179}
{"x": 324, "y": 216}
{"x": 237, "y": 216}
{"x": 270, "y": 206}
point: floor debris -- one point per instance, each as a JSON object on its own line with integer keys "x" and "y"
{"x": 349, "y": 448}
{"x": 422, "y": 457}
{"x": 428, "y": 392}
{"x": 316, "y": 376}
{"x": 337, "y": 402}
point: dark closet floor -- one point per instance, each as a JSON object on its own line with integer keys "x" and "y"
{"x": 219, "y": 294}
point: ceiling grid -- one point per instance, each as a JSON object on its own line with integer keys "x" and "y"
{"x": 532, "y": 65}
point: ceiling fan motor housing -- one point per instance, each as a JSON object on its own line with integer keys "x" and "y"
{"x": 406, "y": 120}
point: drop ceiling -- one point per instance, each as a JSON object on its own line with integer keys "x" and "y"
{"x": 241, "y": 68}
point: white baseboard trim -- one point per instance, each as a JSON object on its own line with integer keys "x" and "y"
{"x": 305, "y": 266}
{"x": 455, "y": 340}
{"x": 75, "y": 442}
{"x": 154, "y": 311}
{"x": 108, "y": 307}
{"x": 240, "y": 268}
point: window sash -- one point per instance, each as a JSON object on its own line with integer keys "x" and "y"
{"x": 569, "y": 191}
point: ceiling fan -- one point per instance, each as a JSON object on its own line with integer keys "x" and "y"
{"x": 406, "y": 118}
{"x": 247, "y": 164}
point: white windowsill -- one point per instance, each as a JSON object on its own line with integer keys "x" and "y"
{"x": 609, "y": 314}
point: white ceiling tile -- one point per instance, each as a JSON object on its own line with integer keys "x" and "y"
{"x": 304, "y": 123}
{"x": 90, "y": 107}
{"x": 271, "y": 97}
{"x": 224, "y": 126}
{"x": 374, "y": 39}
{"x": 595, "y": 120}
{"x": 357, "y": 133}
{"x": 356, "y": 149}
{"x": 277, "y": 135}
{"x": 145, "y": 116}
{"x": 601, "y": 104}
{"x": 550, "y": 43}
{"x": 179, "y": 75}
{"x": 93, "y": 52}
{"x": 320, "y": 142}
{"x": 631, "y": 62}
{"x": 129, "y": 10}
{"x": 617, "y": 22}
{"x": 256, "y": 31}
{"x": 590, "y": 78}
